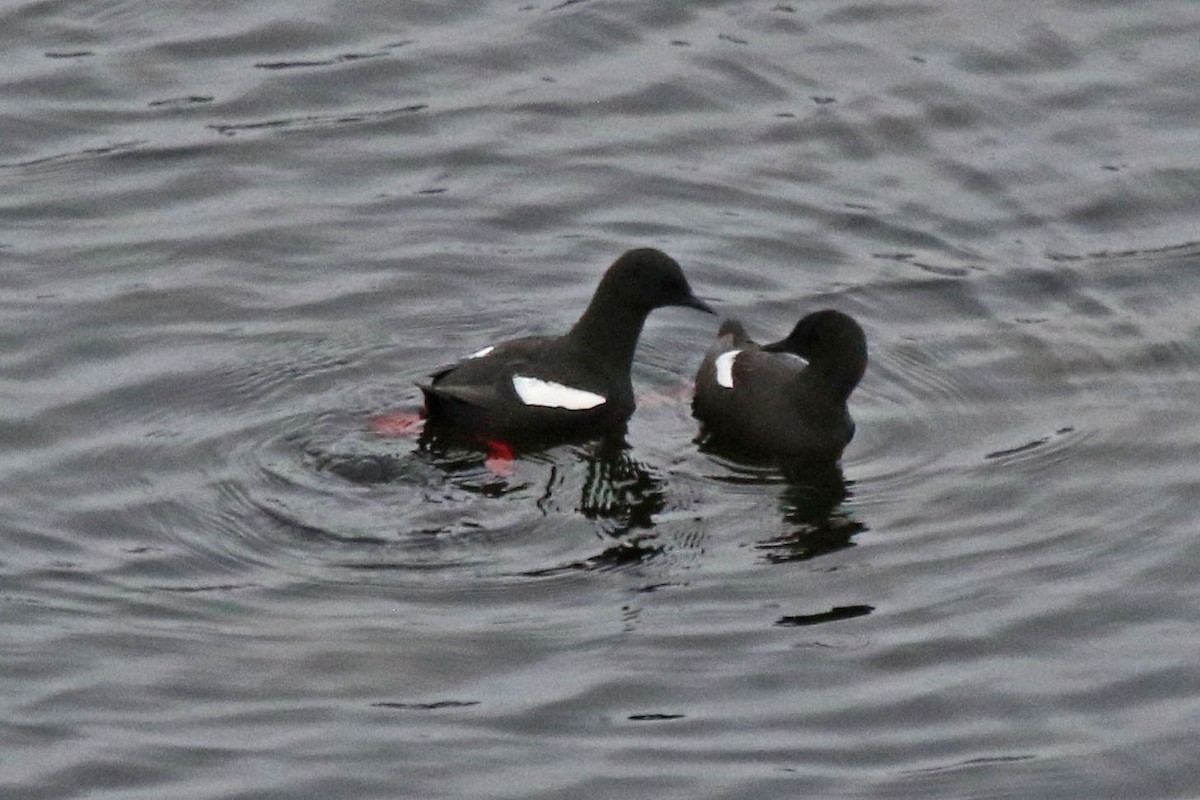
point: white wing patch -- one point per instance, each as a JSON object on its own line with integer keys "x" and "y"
{"x": 803, "y": 361}
{"x": 483, "y": 352}
{"x": 723, "y": 365}
{"x": 537, "y": 392}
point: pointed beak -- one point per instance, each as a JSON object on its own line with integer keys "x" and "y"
{"x": 695, "y": 302}
{"x": 776, "y": 347}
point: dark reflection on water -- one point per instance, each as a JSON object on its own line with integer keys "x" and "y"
{"x": 435, "y": 491}
{"x": 811, "y": 500}
{"x": 813, "y": 509}
{"x": 435, "y": 705}
{"x": 832, "y": 615}
{"x": 622, "y": 554}
{"x": 620, "y": 490}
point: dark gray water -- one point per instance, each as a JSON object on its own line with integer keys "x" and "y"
{"x": 230, "y": 234}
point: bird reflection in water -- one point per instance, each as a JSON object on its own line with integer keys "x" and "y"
{"x": 621, "y": 495}
{"x": 813, "y": 506}
{"x": 619, "y": 490}
{"x": 811, "y": 501}
{"x": 599, "y": 480}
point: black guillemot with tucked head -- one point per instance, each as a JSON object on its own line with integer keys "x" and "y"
{"x": 786, "y": 399}
{"x": 572, "y": 386}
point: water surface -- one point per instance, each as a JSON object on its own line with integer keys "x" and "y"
{"x": 233, "y": 234}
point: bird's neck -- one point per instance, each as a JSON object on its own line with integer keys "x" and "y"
{"x": 609, "y": 331}
{"x": 838, "y": 380}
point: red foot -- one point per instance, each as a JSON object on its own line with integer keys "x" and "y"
{"x": 398, "y": 423}
{"x": 499, "y": 459}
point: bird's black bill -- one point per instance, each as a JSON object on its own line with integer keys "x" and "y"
{"x": 695, "y": 302}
